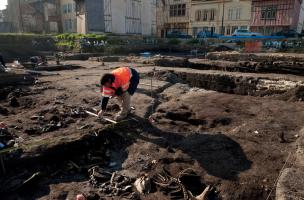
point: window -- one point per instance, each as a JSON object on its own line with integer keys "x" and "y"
{"x": 230, "y": 13}
{"x": 212, "y": 29}
{"x": 74, "y": 7}
{"x": 269, "y": 12}
{"x": 177, "y": 10}
{"x": 69, "y": 8}
{"x": 198, "y": 15}
{"x": 65, "y": 8}
{"x": 244, "y": 27}
{"x": 205, "y": 16}
{"x": 238, "y": 13}
{"x": 70, "y": 24}
{"x": 212, "y": 13}
{"x": 228, "y": 31}
{"x": 234, "y": 13}
{"x": 183, "y": 9}
{"x": 66, "y": 25}
{"x": 171, "y": 10}
{"x": 222, "y": 30}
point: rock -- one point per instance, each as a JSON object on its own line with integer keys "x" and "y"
{"x": 110, "y": 59}
{"x": 10, "y": 143}
{"x": 32, "y": 131}
{"x": 14, "y": 102}
{"x": 36, "y": 117}
{"x": 170, "y": 77}
{"x": 282, "y": 137}
{"x": 80, "y": 197}
{"x": 3, "y": 111}
{"x": 3, "y": 125}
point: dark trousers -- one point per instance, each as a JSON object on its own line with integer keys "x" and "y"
{"x": 2, "y": 61}
{"x": 133, "y": 82}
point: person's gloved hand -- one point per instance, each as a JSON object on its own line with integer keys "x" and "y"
{"x": 119, "y": 91}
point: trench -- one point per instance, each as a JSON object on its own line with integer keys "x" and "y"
{"x": 231, "y": 84}
{"x": 276, "y": 66}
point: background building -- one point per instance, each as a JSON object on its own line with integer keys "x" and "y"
{"x": 5, "y": 27}
{"x": 68, "y": 16}
{"x": 173, "y": 15}
{"x": 116, "y": 16}
{"x": 220, "y": 16}
{"x": 35, "y": 16}
{"x": 269, "y": 16}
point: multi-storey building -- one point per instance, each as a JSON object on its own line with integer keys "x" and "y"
{"x": 268, "y": 16}
{"x": 68, "y": 16}
{"x": 220, "y": 16}
{"x": 173, "y": 15}
{"x": 34, "y": 15}
{"x": 116, "y": 16}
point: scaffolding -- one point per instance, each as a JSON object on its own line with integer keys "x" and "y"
{"x": 153, "y": 17}
{"x": 133, "y": 17}
{"x": 108, "y": 16}
{"x": 273, "y": 15}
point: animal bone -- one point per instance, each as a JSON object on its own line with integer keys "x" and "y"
{"x": 143, "y": 185}
{"x": 204, "y": 194}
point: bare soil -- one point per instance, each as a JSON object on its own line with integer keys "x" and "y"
{"x": 235, "y": 143}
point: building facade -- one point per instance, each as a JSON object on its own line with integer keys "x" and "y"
{"x": 269, "y": 16}
{"x": 173, "y": 15}
{"x": 34, "y": 16}
{"x": 68, "y": 16}
{"x": 220, "y": 16}
{"x": 116, "y": 16}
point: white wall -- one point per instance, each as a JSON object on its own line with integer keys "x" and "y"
{"x": 148, "y": 16}
{"x": 81, "y": 24}
{"x": 69, "y": 16}
{"x": 301, "y": 19}
{"x": 118, "y": 16}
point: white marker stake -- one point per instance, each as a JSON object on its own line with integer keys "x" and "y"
{"x": 95, "y": 115}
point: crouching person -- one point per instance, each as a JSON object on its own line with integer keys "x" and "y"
{"x": 121, "y": 83}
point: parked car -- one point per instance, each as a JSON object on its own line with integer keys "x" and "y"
{"x": 245, "y": 32}
{"x": 178, "y": 34}
{"x": 288, "y": 33}
{"x": 207, "y": 34}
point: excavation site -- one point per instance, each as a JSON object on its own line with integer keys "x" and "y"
{"x": 224, "y": 126}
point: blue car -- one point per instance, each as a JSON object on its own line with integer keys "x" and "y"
{"x": 207, "y": 34}
{"x": 178, "y": 34}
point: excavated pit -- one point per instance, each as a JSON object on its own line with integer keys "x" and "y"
{"x": 236, "y": 62}
{"x": 232, "y": 131}
{"x": 231, "y": 83}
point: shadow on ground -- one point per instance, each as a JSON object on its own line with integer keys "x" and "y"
{"x": 218, "y": 154}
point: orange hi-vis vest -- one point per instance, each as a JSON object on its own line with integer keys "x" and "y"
{"x": 123, "y": 76}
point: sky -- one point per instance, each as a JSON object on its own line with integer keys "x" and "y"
{"x": 3, "y": 3}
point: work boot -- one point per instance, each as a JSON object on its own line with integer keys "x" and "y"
{"x": 124, "y": 100}
{"x": 121, "y": 115}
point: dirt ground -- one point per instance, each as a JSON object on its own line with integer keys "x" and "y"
{"x": 237, "y": 144}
